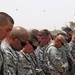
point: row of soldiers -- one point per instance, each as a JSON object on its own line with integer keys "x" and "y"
{"x": 17, "y": 47}
{"x": 34, "y": 52}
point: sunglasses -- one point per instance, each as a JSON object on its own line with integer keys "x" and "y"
{"x": 61, "y": 42}
{"x": 22, "y": 43}
{"x": 30, "y": 42}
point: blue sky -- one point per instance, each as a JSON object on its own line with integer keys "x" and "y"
{"x": 40, "y": 14}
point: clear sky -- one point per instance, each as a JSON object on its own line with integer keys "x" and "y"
{"x": 40, "y": 14}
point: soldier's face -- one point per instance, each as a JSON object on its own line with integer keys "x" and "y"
{"x": 69, "y": 35}
{"x": 30, "y": 47}
{"x": 20, "y": 42}
{"x": 5, "y": 30}
{"x": 60, "y": 43}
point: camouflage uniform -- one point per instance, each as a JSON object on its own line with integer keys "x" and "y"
{"x": 69, "y": 56}
{"x": 55, "y": 57}
{"x": 36, "y": 65}
{"x": 68, "y": 50}
{"x": 9, "y": 60}
{"x": 42, "y": 59}
{"x": 72, "y": 48}
{"x": 25, "y": 65}
{"x": 35, "y": 61}
{"x": 1, "y": 60}
{"x": 64, "y": 58}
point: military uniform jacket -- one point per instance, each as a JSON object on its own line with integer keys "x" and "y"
{"x": 72, "y": 48}
{"x": 9, "y": 60}
{"x": 42, "y": 58}
{"x": 1, "y": 60}
{"x": 68, "y": 50}
{"x": 36, "y": 65}
{"x": 25, "y": 66}
{"x": 55, "y": 58}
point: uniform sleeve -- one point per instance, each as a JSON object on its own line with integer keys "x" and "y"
{"x": 55, "y": 58}
{"x": 38, "y": 55}
{"x": 10, "y": 65}
{"x": 72, "y": 48}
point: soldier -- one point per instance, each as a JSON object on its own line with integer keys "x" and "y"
{"x": 6, "y": 25}
{"x": 16, "y": 40}
{"x": 55, "y": 56}
{"x": 68, "y": 33}
{"x": 37, "y": 34}
{"x": 72, "y": 48}
{"x": 67, "y": 48}
{"x": 26, "y": 61}
{"x": 41, "y": 51}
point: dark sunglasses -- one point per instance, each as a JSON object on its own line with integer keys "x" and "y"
{"x": 61, "y": 42}
{"x": 30, "y": 42}
{"x": 22, "y": 43}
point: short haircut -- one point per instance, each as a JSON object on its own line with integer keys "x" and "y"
{"x": 4, "y": 18}
{"x": 32, "y": 37}
{"x": 45, "y": 32}
{"x": 62, "y": 33}
{"x": 67, "y": 29}
{"x": 35, "y": 31}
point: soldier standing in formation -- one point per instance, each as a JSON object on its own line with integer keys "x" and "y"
{"x": 16, "y": 40}
{"x": 55, "y": 55}
{"x": 6, "y": 25}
